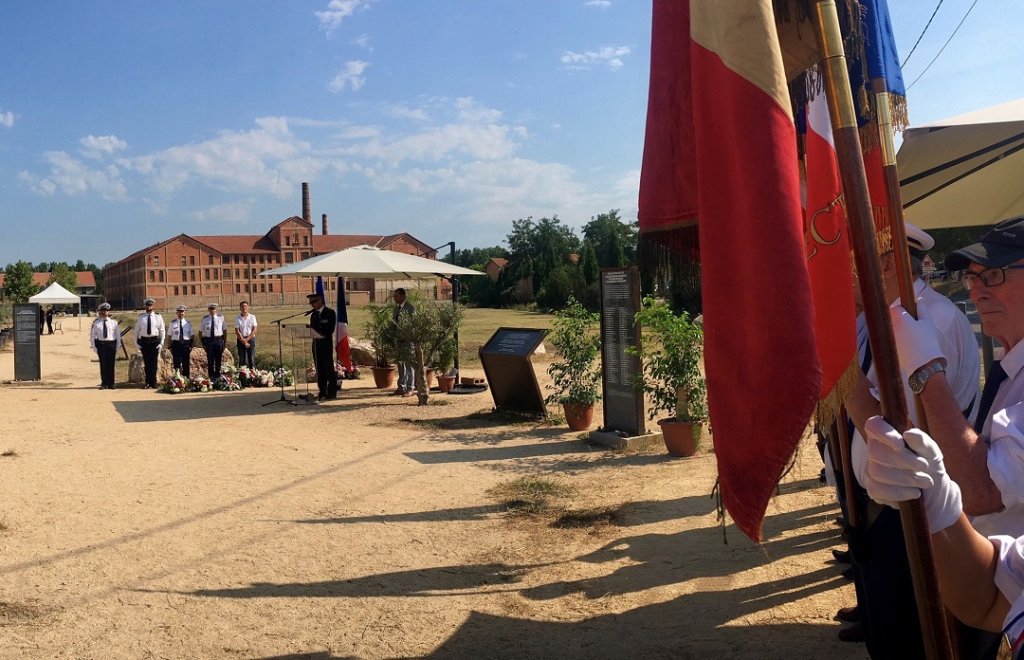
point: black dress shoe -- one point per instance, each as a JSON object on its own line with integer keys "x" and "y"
{"x": 848, "y": 614}
{"x": 853, "y": 633}
{"x": 842, "y": 556}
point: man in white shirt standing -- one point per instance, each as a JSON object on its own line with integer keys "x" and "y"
{"x": 105, "y": 339}
{"x": 149, "y": 335}
{"x": 181, "y": 342}
{"x": 211, "y": 329}
{"x": 245, "y": 336}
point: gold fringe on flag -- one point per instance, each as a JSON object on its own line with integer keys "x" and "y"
{"x": 829, "y": 406}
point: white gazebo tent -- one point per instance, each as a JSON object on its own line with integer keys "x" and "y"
{"x": 55, "y": 294}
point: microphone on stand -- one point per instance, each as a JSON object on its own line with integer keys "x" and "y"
{"x": 308, "y": 312}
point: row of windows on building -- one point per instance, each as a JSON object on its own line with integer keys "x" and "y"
{"x": 239, "y": 288}
{"x": 190, "y": 260}
{"x": 186, "y": 275}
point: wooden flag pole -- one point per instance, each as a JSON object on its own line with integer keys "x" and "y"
{"x": 876, "y": 313}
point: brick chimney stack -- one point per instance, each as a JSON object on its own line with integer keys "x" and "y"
{"x": 306, "y": 215}
{"x": 323, "y": 224}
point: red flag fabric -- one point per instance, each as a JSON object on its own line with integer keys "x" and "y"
{"x": 720, "y": 153}
{"x": 828, "y": 262}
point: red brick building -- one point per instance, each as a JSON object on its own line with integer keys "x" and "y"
{"x": 197, "y": 270}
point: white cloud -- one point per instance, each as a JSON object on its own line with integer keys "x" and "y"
{"x": 603, "y": 4}
{"x": 337, "y": 11}
{"x": 7, "y": 119}
{"x": 73, "y": 177}
{"x": 363, "y": 41}
{"x": 610, "y": 56}
{"x": 231, "y": 212}
{"x": 405, "y": 112}
{"x": 105, "y": 145}
{"x": 350, "y": 76}
{"x": 262, "y": 159}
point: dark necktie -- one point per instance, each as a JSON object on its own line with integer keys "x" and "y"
{"x": 149, "y": 325}
{"x": 996, "y": 376}
{"x": 211, "y": 326}
{"x": 105, "y": 335}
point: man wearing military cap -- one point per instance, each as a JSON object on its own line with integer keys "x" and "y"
{"x": 149, "y": 336}
{"x": 211, "y": 330}
{"x": 181, "y": 342}
{"x": 105, "y": 339}
{"x": 321, "y": 323}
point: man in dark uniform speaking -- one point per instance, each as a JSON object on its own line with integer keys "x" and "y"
{"x": 321, "y": 323}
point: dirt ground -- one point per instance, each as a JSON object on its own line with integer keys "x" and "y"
{"x": 144, "y": 525}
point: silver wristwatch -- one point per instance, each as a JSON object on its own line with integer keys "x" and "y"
{"x": 918, "y": 379}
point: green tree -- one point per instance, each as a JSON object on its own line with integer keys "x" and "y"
{"x": 80, "y": 266}
{"x": 539, "y": 248}
{"x": 18, "y": 286}
{"x": 41, "y": 267}
{"x": 62, "y": 274}
{"x": 614, "y": 240}
{"x": 589, "y": 267}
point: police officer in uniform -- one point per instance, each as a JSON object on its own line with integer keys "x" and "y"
{"x": 321, "y": 322}
{"x": 149, "y": 335}
{"x": 105, "y": 339}
{"x": 181, "y": 342}
{"x": 211, "y": 329}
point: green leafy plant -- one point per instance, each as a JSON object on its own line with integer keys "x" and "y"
{"x": 424, "y": 332}
{"x": 444, "y": 357}
{"x": 574, "y": 336}
{"x": 670, "y": 350}
{"x": 380, "y": 330}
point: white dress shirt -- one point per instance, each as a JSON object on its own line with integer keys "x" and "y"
{"x": 150, "y": 327}
{"x": 181, "y": 329}
{"x": 245, "y": 324}
{"x": 218, "y": 326}
{"x": 1004, "y": 433}
{"x": 113, "y": 331}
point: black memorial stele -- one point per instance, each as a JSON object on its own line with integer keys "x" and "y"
{"x": 26, "y": 342}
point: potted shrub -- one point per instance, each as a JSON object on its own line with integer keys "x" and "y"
{"x": 425, "y": 331}
{"x": 379, "y": 329}
{"x": 670, "y": 351}
{"x": 444, "y": 361}
{"x": 576, "y": 379}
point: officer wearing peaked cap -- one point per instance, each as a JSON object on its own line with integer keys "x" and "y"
{"x": 181, "y": 337}
{"x": 149, "y": 335}
{"x": 211, "y": 330}
{"x": 105, "y": 339}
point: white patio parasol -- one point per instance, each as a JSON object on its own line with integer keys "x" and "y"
{"x": 966, "y": 170}
{"x": 368, "y": 261}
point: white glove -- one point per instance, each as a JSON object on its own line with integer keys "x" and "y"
{"x": 896, "y": 474}
{"x": 917, "y": 340}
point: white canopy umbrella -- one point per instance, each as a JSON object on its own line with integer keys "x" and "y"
{"x": 368, "y": 261}
{"x": 963, "y": 171}
{"x": 55, "y": 294}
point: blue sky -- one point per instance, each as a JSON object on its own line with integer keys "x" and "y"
{"x": 124, "y": 123}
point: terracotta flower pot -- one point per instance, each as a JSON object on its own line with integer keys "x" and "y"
{"x": 384, "y": 377}
{"x": 430, "y": 378}
{"x": 445, "y": 383}
{"x": 681, "y": 438}
{"x": 578, "y": 416}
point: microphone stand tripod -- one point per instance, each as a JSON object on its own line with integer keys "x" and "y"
{"x": 280, "y": 360}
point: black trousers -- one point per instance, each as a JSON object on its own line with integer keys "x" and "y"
{"x": 247, "y": 356}
{"x": 214, "y": 347}
{"x": 106, "y": 351}
{"x": 150, "y": 347}
{"x": 323, "y": 357}
{"x": 181, "y": 352}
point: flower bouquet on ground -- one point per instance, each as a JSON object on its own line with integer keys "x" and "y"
{"x": 263, "y": 379}
{"x": 311, "y": 373}
{"x": 283, "y": 377}
{"x": 346, "y": 374}
{"x": 227, "y": 383}
{"x": 248, "y": 377}
{"x": 176, "y": 384}
{"x": 200, "y": 385}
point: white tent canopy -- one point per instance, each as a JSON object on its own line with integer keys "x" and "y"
{"x": 963, "y": 171}
{"x": 368, "y": 261}
{"x": 55, "y": 294}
